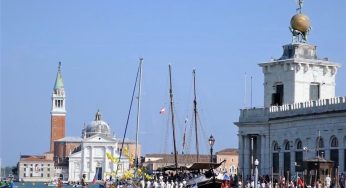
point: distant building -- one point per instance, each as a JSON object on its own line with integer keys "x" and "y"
{"x": 230, "y": 156}
{"x": 92, "y": 158}
{"x": 71, "y": 157}
{"x": 33, "y": 168}
{"x": 155, "y": 161}
{"x": 301, "y": 119}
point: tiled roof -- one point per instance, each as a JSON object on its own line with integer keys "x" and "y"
{"x": 228, "y": 151}
{"x": 34, "y": 158}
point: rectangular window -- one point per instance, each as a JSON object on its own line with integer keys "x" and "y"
{"x": 30, "y": 174}
{"x": 314, "y": 91}
{"x": 299, "y": 161}
{"x": 275, "y": 162}
{"x": 41, "y": 175}
{"x": 31, "y": 169}
{"x": 24, "y": 164}
{"x": 24, "y": 175}
{"x": 334, "y": 156}
{"x": 48, "y": 169}
{"x": 287, "y": 167}
{"x": 48, "y": 164}
{"x": 278, "y": 96}
{"x": 24, "y": 169}
{"x": 48, "y": 175}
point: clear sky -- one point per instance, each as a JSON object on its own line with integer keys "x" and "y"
{"x": 99, "y": 42}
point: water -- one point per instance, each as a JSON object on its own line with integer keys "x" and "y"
{"x": 41, "y": 185}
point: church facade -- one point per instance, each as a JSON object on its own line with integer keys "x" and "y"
{"x": 93, "y": 159}
{"x": 301, "y": 119}
{"x": 92, "y": 153}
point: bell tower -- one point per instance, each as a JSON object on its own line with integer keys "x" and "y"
{"x": 58, "y": 112}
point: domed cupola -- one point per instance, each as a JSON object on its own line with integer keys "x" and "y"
{"x": 98, "y": 126}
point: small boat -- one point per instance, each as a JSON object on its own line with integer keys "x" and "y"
{"x": 52, "y": 184}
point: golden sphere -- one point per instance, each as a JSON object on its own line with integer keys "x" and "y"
{"x": 300, "y": 22}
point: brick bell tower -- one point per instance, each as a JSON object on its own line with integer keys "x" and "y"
{"x": 58, "y": 112}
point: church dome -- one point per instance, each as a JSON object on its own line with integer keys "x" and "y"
{"x": 98, "y": 126}
{"x": 300, "y": 22}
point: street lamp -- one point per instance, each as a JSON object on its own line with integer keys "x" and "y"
{"x": 211, "y": 144}
{"x": 256, "y": 173}
{"x": 211, "y": 141}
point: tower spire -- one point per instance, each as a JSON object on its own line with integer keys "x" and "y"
{"x": 59, "y": 83}
{"x": 58, "y": 111}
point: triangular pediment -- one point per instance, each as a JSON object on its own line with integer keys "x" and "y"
{"x": 76, "y": 155}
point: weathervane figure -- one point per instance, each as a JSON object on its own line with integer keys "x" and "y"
{"x": 300, "y": 5}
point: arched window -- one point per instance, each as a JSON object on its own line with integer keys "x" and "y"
{"x": 299, "y": 145}
{"x": 320, "y": 142}
{"x": 334, "y": 142}
{"x": 276, "y": 146}
{"x": 287, "y": 146}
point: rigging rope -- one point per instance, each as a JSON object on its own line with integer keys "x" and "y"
{"x": 127, "y": 121}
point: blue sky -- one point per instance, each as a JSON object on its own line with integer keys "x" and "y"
{"x": 99, "y": 42}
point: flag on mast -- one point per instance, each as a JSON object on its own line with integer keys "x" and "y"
{"x": 163, "y": 110}
{"x": 96, "y": 174}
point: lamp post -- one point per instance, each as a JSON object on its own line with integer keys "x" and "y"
{"x": 211, "y": 141}
{"x": 256, "y": 173}
{"x": 211, "y": 144}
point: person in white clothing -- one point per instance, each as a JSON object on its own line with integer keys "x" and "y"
{"x": 327, "y": 181}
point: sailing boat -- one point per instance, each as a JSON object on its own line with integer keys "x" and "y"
{"x": 201, "y": 180}
{"x": 136, "y": 158}
{"x": 206, "y": 179}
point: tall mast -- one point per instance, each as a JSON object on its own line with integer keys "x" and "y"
{"x": 138, "y": 109}
{"x": 195, "y": 111}
{"x": 172, "y": 112}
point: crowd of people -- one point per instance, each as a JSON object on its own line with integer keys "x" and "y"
{"x": 7, "y": 183}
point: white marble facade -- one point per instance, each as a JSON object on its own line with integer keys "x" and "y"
{"x": 92, "y": 156}
{"x": 303, "y": 124}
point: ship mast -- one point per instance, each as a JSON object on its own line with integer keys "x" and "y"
{"x": 195, "y": 112}
{"x": 172, "y": 113}
{"x": 138, "y": 111}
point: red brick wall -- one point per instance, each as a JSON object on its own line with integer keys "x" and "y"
{"x": 57, "y": 130}
{"x": 62, "y": 149}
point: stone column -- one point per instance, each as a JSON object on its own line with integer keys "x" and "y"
{"x": 326, "y": 153}
{"x": 91, "y": 161}
{"x": 341, "y": 160}
{"x": 83, "y": 163}
{"x": 246, "y": 156}
{"x": 241, "y": 153}
{"x": 263, "y": 151}
{"x": 293, "y": 160}
{"x": 105, "y": 161}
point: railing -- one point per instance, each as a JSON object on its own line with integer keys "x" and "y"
{"x": 308, "y": 104}
{"x": 286, "y": 110}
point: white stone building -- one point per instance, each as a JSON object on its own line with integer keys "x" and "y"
{"x": 92, "y": 158}
{"x": 301, "y": 118}
{"x": 34, "y": 168}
